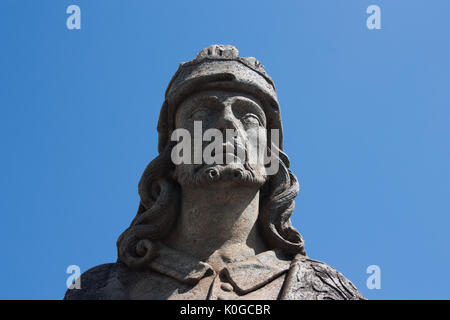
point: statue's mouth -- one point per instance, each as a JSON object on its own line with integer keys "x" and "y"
{"x": 227, "y": 155}
{"x": 228, "y": 163}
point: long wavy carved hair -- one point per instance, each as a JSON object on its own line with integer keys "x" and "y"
{"x": 160, "y": 205}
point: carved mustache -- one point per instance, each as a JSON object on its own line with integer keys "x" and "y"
{"x": 236, "y": 149}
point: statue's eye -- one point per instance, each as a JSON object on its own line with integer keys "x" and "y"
{"x": 251, "y": 119}
{"x": 199, "y": 114}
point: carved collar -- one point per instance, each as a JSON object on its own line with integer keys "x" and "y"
{"x": 245, "y": 276}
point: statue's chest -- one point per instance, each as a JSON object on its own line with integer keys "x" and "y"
{"x": 214, "y": 287}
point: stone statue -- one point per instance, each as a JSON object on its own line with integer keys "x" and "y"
{"x": 217, "y": 230}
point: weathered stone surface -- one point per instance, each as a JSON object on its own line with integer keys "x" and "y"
{"x": 216, "y": 230}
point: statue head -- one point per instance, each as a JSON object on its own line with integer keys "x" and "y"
{"x": 216, "y": 96}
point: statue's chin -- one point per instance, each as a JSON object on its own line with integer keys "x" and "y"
{"x": 219, "y": 175}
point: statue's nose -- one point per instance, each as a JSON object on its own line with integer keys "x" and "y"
{"x": 227, "y": 120}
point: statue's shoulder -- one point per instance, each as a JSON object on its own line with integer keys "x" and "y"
{"x": 98, "y": 283}
{"x": 310, "y": 279}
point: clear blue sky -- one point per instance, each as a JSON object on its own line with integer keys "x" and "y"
{"x": 366, "y": 118}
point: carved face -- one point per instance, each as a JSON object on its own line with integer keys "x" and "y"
{"x": 228, "y": 138}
